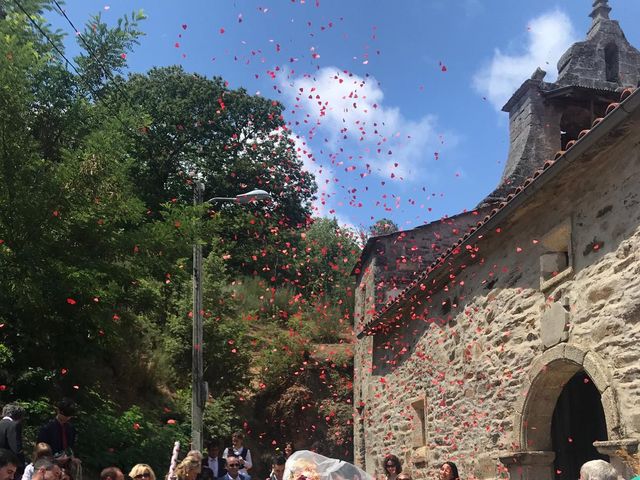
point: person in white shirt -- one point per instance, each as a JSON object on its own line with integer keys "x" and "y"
{"x": 42, "y": 450}
{"x": 239, "y": 450}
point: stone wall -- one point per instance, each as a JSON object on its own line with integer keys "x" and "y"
{"x": 473, "y": 353}
{"x": 394, "y": 261}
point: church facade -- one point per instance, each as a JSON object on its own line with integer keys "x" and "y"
{"x": 506, "y": 339}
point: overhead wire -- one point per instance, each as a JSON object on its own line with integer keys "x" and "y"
{"x": 70, "y": 63}
{"x": 92, "y": 54}
{"x": 175, "y": 152}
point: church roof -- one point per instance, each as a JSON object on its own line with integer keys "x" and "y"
{"x": 617, "y": 114}
{"x": 374, "y": 240}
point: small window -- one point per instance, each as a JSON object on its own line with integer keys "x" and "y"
{"x": 419, "y": 422}
{"x": 556, "y": 262}
{"x": 612, "y": 63}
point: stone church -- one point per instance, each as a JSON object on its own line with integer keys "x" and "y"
{"x": 507, "y": 338}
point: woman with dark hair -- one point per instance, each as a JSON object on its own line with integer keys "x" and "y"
{"x": 288, "y": 449}
{"x": 449, "y": 471}
{"x": 392, "y": 467}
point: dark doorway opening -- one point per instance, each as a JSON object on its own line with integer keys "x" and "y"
{"x": 578, "y": 421}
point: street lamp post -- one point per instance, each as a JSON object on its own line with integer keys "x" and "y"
{"x": 199, "y": 387}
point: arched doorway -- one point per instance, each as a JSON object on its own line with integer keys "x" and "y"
{"x": 549, "y": 380}
{"x": 578, "y": 421}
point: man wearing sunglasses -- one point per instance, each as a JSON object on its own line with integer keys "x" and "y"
{"x": 233, "y": 469}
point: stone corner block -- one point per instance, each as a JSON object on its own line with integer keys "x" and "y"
{"x": 554, "y": 325}
{"x": 521, "y": 398}
{"x": 612, "y": 413}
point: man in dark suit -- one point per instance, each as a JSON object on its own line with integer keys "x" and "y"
{"x": 213, "y": 465}
{"x": 59, "y": 433}
{"x": 233, "y": 469}
{"x": 11, "y": 431}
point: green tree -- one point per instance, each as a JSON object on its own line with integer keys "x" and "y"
{"x": 72, "y": 260}
{"x": 96, "y": 230}
{"x": 384, "y": 226}
{"x": 234, "y": 140}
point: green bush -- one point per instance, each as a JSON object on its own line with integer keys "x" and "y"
{"x": 107, "y": 437}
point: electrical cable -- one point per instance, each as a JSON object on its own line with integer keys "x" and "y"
{"x": 108, "y": 74}
{"x": 87, "y": 84}
{"x": 92, "y": 54}
{"x": 173, "y": 153}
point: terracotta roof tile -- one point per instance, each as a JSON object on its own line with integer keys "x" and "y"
{"x": 611, "y": 108}
{"x": 626, "y": 93}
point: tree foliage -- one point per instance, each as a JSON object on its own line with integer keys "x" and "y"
{"x": 384, "y": 226}
{"x": 96, "y": 232}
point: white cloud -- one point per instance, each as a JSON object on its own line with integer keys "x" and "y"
{"x": 548, "y": 37}
{"x": 325, "y": 178}
{"x": 349, "y": 112}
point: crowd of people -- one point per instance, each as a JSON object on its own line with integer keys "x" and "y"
{"x": 53, "y": 458}
{"x": 591, "y": 470}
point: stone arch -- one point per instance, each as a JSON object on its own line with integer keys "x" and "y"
{"x": 548, "y": 374}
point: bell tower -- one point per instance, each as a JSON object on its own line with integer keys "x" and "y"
{"x": 544, "y": 117}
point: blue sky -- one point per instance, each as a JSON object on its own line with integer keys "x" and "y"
{"x": 404, "y": 118}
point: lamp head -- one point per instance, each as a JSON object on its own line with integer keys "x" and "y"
{"x": 252, "y": 196}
